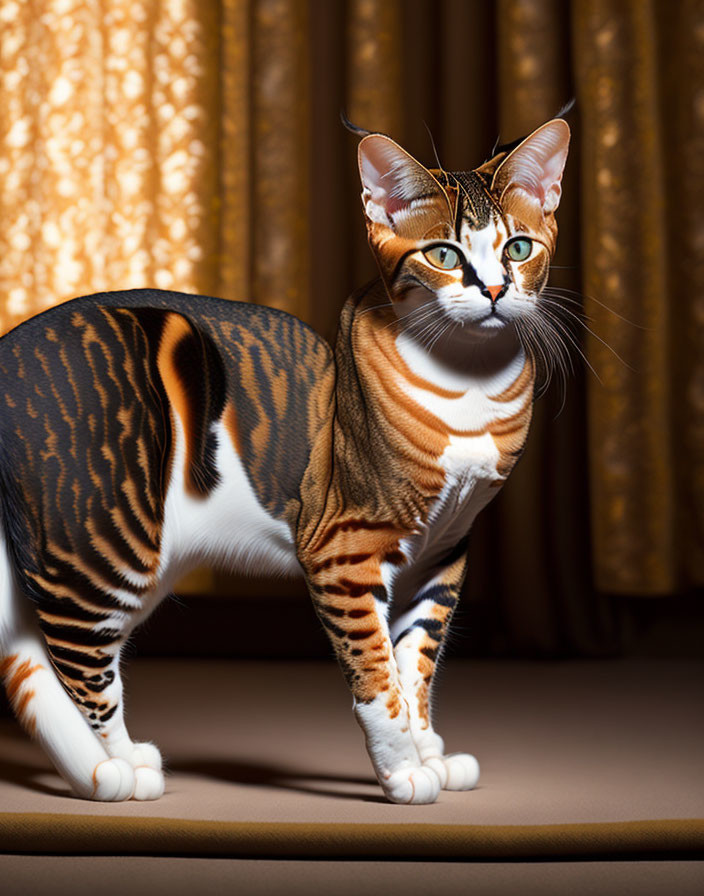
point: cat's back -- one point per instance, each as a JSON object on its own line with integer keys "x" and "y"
{"x": 267, "y": 363}
{"x": 227, "y": 322}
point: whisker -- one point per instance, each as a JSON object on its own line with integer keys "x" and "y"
{"x": 560, "y": 289}
{"x": 564, "y": 330}
{"x": 376, "y": 307}
{"x": 596, "y": 336}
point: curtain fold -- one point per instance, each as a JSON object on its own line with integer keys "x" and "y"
{"x": 626, "y": 295}
{"x": 546, "y": 590}
{"x": 235, "y": 149}
{"x": 197, "y": 146}
{"x": 279, "y": 160}
{"x": 680, "y": 31}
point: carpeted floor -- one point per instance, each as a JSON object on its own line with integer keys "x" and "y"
{"x": 580, "y": 761}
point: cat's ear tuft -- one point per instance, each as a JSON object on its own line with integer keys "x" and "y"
{"x": 392, "y": 180}
{"x": 535, "y": 166}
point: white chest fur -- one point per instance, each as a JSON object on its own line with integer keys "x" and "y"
{"x": 467, "y": 402}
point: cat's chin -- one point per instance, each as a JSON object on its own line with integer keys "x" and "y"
{"x": 483, "y": 329}
{"x": 491, "y": 324}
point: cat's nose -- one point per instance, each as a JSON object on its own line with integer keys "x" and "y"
{"x": 495, "y": 292}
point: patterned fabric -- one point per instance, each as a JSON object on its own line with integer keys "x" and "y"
{"x": 196, "y": 147}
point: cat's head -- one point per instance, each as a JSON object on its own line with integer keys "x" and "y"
{"x": 476, "y": 244}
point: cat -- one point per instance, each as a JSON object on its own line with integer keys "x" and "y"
{"x": 144, "y": 432}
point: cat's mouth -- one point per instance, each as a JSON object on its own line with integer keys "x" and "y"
{"x": 484, "y": 323}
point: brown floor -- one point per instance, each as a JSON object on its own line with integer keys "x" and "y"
{"x": 579, "y": 759}
{"x": 115, "y": 876}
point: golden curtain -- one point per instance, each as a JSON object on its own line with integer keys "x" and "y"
{"x": 196, "y": 146}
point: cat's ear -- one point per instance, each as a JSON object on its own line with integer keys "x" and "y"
{"x": 395, "y": 187}
{"x": 535, "y": 166}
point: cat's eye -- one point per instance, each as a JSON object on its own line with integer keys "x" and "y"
{"x": 444, "y": 257}
{"x": 519, "y": 249}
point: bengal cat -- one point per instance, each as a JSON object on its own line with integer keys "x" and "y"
{"x": 143, "y": 433}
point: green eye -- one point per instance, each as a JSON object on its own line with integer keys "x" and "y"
{"x": 519, "y": 249}
{"x": 444, "y": 257}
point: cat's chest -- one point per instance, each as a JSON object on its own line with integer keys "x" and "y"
{"x": 471, "y": 479}
{"x": 486, "y": 421}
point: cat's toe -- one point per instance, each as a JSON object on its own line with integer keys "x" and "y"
{"x": 113, "y": 781}
{"x": 437, "y": 764}
{"x": 149, "y": 784}
{"x": 417, "y": 785}
{"x": 456, "y": 771}
{"x": 462, "y": 771}
{"x": 146, "y": 754}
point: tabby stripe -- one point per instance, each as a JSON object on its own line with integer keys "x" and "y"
{"x": 79, "y": 658}
{"x": 117, "y": 552}
{"x": 69, "y": 619}
{"x": 361, "y": 634}
{"x": 348, "y": 588}
{"x": 433, "y": 627}
{"x": 74, "y": 635}
{"x": 17, "y": 677}
{"x": 519, "y": 385}
{"x": 64, "y": 579}
{"x": 146, "y": 327}
{"x": 146, "y": 553}
{"x": 97, "y": 687}
{"x": 331, "y": 627}
{"x": 512, "y": 424}
{"x": 352, "y": 526}
{"x": 106, "y": 716}
{"x": 379, "y": 593}
{"x": 341, "y": 560}
{"x": 94, "y": 577}
{"x": 41, "y": 357}
{"x": 62, "y": 598}
{"x": 71, "y": 672}
{"x": 148, "y": 527}
{"x": 332, "y": 611}
{"x": 445, "y": 595}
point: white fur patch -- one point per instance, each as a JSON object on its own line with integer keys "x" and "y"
{"x": 229, "y": 526}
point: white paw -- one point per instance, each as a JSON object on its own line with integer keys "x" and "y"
{"x": 113, "y": 781}
{"x": 146, "y": 755}
{"x": 149, "y": 784}
{"x": 456, "y": 771}
{"x": 415, "y": 785}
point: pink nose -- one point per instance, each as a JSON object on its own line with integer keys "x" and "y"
{"x": 494, "y": 291}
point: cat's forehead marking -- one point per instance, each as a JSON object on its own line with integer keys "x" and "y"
{"x": 485, "y": 240}
{"x": 475, "y": 206}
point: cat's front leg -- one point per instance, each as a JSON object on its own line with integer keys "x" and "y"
{"x": 352, "y": 607}
{"x": 418, "y": 636}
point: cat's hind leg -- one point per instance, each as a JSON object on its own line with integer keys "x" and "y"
{"x": 91, "y": 675}
{"x": 144, "y": 757}
{"x": 418, "y": 635}
{"x": 45, "y": 709}
{"x": 48, "y": 714}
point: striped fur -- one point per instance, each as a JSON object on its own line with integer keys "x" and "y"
{"x": 145, "y": 432}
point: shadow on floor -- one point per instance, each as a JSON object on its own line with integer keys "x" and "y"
{"x": 29, "y": 776}
{"x": 243, "y": 771}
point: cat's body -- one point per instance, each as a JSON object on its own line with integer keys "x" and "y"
{"x": 143, "y": 433}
